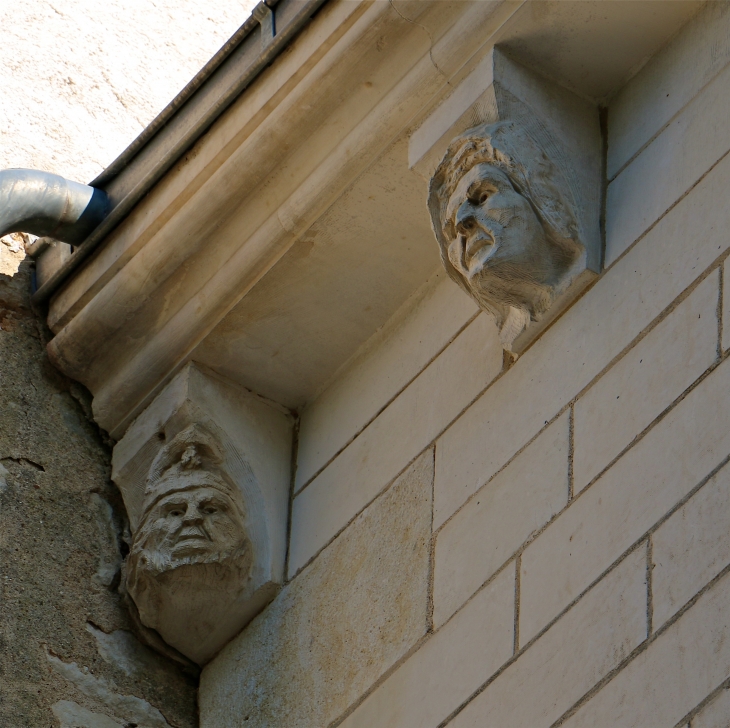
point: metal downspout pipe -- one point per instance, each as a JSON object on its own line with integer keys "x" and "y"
{"x": 46, "y": 204}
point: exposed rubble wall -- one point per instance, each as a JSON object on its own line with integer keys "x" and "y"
{"x": 68, "y": 656}
{"x": 79, "y": 82}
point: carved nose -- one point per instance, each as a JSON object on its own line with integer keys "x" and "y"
{"x": 465, "y": 221}
{"x": 466, "y": 227}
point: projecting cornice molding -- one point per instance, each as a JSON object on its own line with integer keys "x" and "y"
{"x": 296, "y": 226}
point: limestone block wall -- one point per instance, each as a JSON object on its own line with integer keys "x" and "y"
{"x": 541, "y": 544}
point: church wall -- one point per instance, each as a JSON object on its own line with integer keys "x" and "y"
{"x": 578, "y": 541}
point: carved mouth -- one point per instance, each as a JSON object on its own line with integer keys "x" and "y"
{"x": 191, "y": 545}
{"x": 194, "y": 539}
{"x": 476, "y": 252}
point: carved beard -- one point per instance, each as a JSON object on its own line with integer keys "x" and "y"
{"x": 153, "y": 563}
{"x": 192, "y": 602}
{"x": 527, "y": 283}
{"x": 502, "y": 285}
{"x": 198, "y": 580}
{"x": 150, "y": 565}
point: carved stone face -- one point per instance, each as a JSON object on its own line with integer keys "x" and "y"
{"x": 501, "y": 214}
{"x": 492, "y": 224}
{"x": 197, "y": 570}
{"x": 497, "y": 242}
{"x": 190, "y": 561}
{"x": 197, "y": 524}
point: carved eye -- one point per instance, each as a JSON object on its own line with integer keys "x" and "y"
{"x": 176, "y": 512}
{"x": 209, "y": 509}
{"x": 483, "y": 198}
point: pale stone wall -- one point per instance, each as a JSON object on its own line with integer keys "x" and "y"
{"x": 78, "y": 81}
{"x": 579, "y": 541}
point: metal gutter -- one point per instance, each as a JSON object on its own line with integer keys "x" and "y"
{"x": 193, "y": 111}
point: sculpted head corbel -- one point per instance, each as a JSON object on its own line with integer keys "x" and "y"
{"x": 193, "y": 552}
{"x": 505, "y": 220}
{"x": 205, "y": 473}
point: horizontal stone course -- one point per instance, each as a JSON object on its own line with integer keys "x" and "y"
{"x": 582, "y": 342}
{"x": 672, "y": 676}
{"x": 448, "y": 668}
{"x": 668, "y": 167}
{"x": 420, "y": 330}
{"x": 646, "y": 381}
{"x": 726, "y": 306}
{"x": 500, "y": 518}
{"x": 389, "y": 443}
{"x": 716, "y": 714}
{"x": 570, "y": 658}
{"x": 625, "y": 502}
{"x": 691, "y": 547}
{"x": 667, "y": 83}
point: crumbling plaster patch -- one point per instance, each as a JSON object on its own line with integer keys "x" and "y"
{"x": 61, "y": 527}
{"x": 78, "y": 82}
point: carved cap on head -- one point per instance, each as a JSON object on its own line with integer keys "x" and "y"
{"x": 192, "y": 459}
{"x": 532, "y": 173}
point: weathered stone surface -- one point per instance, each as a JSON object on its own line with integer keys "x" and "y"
{"x": 666, "y": 681}
{"x": 624, "y": 503}
{"x": 716, "y": 714}
{"x": 500, "y": 518}
{"x": 61, "y": 547}
{"x": 675, "y": 75}
{"x": 412, "y": 338}
{"x": 674, "y": 161}
{"x": 691, "y": 547}
{"x": 205, "y": 477}
{"x": 646, "y": 381}
{"x": 393, "y": 439}
{"x": 726, "y": 309}
{"x": 564, "y": 663}
{"x": 580, "y": 344}
{"x": 72, "y": 715}
{"x": 359, "y": 607}
{"x": 487, "y": 199}
{"x": 130, "y": 708}
{"x": 448, "y": 668}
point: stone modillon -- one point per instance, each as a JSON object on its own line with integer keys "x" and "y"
{"x": 505, "y": 221}
{"x": 191, "y": 557}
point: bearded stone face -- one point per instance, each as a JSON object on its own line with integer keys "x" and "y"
{"x": 497, "y": 243}
{"x": 191, "y": 561}
{"x": 197, "y": 525}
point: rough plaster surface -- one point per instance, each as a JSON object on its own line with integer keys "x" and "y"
{"x": 65, "y": 638}
{"x": 338, "y": 626}
{"x": 79, "y": 80}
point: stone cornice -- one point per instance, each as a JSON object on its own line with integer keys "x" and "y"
{"x": 360, "y": 77}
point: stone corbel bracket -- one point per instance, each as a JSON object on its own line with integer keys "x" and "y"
{"x": 205, "y": 474}
{"x": 565, "y": 127}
